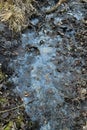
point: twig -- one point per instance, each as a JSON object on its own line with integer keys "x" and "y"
{"x": 11, "y": 109}
{"x": 54, "y": 8}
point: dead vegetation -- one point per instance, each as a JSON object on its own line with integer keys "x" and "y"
{"x": 16, "y": 13}
{"x": 55, "y": 7}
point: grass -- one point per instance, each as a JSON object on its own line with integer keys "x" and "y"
{"x": 16, "y": 13}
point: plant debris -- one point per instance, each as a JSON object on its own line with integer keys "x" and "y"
{"x": 16, "y": 13}
{"x": 54, "y": 8}
{"x": 43, "y": 69}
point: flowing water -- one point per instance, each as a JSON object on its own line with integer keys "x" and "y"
{"x": 46, "y": 69}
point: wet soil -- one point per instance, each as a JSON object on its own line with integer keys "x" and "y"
{"x": 47, "y": 66}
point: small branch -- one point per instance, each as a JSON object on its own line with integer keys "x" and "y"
{"x": 11, "y": 109}
{"x": 54, "y": 8}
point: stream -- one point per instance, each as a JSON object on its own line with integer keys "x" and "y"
{"x": 49, "y": 68}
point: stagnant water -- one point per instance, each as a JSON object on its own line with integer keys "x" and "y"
{"x": 45, "y": 70}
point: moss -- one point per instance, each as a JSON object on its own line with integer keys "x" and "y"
{"x": 9, "y": 126}
{"x": 19, "y": 121}
{"x": 3, "y": 100}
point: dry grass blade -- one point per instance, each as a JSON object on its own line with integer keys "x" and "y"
{"x": 5, "y": 16}
{"x": 54, "y": 8}
{"x": 16, "y": 13}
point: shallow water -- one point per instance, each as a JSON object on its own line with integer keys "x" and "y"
{"x": 45, "y": 71}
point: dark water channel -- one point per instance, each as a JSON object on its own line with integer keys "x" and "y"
{"x": 49, "y": 66}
